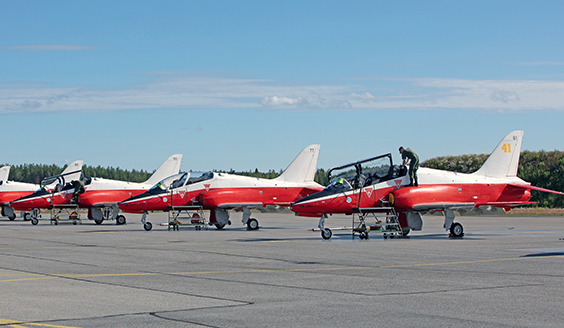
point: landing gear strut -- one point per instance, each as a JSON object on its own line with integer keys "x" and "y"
{"x": 456, "y": 230}
{"x": 326, "y": 233}
{"x": 252, "y": 224}
{"x": 146, "y": 225}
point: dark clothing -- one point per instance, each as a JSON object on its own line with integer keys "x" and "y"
{"x": 78, "y": 187}
{"x": 413, "y": 165}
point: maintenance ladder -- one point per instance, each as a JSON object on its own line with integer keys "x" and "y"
{"x": 191, "y": 215}
{"x": 65, "y": 212}
{"x": 389, "y": 225}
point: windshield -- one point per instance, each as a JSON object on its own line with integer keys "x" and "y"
{"x": 339, "y": 185}
{"x": 365, "y": 172}
{"x": 174, "y": 181}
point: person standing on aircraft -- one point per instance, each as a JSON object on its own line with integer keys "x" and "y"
{"x": 78, "y": 189}
{"x": 409, "y": 156}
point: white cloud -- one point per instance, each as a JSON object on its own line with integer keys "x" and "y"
{"x": 184, "y": 91}
{"x": 504, "y": 96}
{"x": 365, "y": 97}
{"x": 280, "y": 101}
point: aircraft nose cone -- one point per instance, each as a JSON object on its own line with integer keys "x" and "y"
{"x": 144, "y": 202}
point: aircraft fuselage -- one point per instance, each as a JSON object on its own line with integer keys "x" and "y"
{"x": 435, "y": 187}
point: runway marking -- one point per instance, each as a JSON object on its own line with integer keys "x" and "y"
{"x": 18, "y": 324}
{"x": 70, "y": 276}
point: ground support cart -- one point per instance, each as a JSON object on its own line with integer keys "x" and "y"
{"x": 385, "y": 221}
{"x": 65, "y": 213}
{"x": 192, "y": 216}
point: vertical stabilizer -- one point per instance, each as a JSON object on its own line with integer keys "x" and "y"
{"x": 170, "y": 167}
{"x": 303, "y": 167}
{"x": 504, "y": 160}
{"x": 4, "y": 173}
{"x": 73, "y": 171}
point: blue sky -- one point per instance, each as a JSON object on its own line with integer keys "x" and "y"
{"x": 248, "y": 84}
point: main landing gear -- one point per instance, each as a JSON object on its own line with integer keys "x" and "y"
{"x": 101, "y": 214}
{"x": 455, "y": 229}
{"x": 252, "y": 223}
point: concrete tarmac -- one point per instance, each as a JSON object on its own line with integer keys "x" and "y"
{"x": 506, "y": 272}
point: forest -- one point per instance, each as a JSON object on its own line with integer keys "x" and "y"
{"x": 543, "y": 169}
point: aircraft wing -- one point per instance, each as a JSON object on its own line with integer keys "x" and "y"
{"x": 537, "y": 188}
{"x": 455, "y": 206}
{"x": 104, "y": 205}
{"x": 441, "y": 206}
{"x": 227, "y": 206}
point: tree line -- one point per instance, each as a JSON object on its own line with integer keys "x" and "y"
{"x": 34, "y": 173}
{"x": 540, "y": 168}
{"x": 544, "y": 169}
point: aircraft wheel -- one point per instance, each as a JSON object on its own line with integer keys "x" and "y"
{"x": 12, "y": 218}
{"x": 74, "y": 222}
{"x": 219, "y": 226}
{"x": 405, "y": 231}
{"x": 148, "y": 226}
{"x": 121, "y": 220}
{"x": 326, "y": 233}
{"x": 34, "y": 221}
{"x": 27, "y": 216}
{"x": 99, "y": 221}
{"x": 252, "y": 224}
{"x": 456, "y": 230}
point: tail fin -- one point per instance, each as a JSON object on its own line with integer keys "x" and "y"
{"x": 303, "y": 167}
{"x": 504, "y": 160}
{"x": 169, "y": 167}
{"x": 73, "y": 171}
{"x": 4, "y": 173}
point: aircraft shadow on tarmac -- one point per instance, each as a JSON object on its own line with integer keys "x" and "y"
{"x": 548, "y": 254}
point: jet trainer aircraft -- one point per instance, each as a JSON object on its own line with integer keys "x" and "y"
{"x": 219, "y": 192}
{"x": 52, "y": 191}
{"x": 383, "y": 186}
{"x": 101, "y": 194}
{"x": 12, "y": 190}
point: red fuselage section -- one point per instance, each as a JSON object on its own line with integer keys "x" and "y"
{"x": 223, "y": 190}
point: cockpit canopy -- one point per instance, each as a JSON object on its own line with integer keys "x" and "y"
{"x": 172, "y": 182}
{"x": 339, "y": 185}
{"x": 180, "y": 180}
{"x": 363, "y": 173}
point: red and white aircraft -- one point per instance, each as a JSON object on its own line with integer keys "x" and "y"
{"x": 382, "y": 185}
{"x": 43, "y": 196}
{"x": 11, "y": 190}
{"x": 219, "y": 192}
{"x": 101, "y": 194}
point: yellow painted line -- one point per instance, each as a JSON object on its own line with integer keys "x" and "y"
{"x": 12, "y": 323}
{"x": 27, "y": 279}
{"x": 60, "y": 276}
